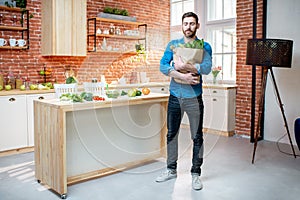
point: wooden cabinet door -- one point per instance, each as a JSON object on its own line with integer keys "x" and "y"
{"x": 64, "y": 27}
{"x": 13, "y": 122}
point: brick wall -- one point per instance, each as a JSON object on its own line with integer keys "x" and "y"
{"x": 27, "y": 63}
{"x": 244, "y": 72}
{"x": 156, "y": 14}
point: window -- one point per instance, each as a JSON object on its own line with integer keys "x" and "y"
{"x": 221, "y": 34}
{"x": 217, "y": 18}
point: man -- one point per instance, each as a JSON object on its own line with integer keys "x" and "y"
{"x": 185, "y": 96}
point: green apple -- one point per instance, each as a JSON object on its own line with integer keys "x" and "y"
{"x": 42, "y": 72}
{"x": 1, "y": 87}
{"x": 7, "y": 87}
{"x": 33, "y": 87}
{"x": 22, "y": 87}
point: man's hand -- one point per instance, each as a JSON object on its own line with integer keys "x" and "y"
{"x": 190, "y": 78}
{"x": 179, "y": 65}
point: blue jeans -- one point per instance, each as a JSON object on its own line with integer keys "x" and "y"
{"x": 194, "y": 110}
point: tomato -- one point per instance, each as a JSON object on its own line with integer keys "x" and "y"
{"x": 145, "y": 91}
{"x": 97, "y": 98}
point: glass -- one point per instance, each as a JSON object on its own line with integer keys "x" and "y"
{"x": 1, "y": 18}
{"x": 14, "y": 20}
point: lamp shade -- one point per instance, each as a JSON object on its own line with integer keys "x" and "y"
{"x": 269, "y": 52}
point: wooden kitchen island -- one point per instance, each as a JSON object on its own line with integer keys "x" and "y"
{"x": 80, "y": 141}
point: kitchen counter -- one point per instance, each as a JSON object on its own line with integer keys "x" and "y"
{"x": 79, "y": 141}
{"x": 80, "y": 88}
{"x": 112, "y": 86}
{"x": 19, "y": 92}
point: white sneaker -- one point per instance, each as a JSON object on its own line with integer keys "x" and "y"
{"x": 167, "y": 175}
{"x": 196, "y": 182}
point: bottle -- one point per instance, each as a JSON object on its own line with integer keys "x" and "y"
{"x": 104, "y": 44}
{"x": 11, "y": 80}
{"x": 19, "y": 82}
{"x": 1, "y": 80}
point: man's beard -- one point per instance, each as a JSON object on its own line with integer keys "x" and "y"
{"x": 191, "y": 35}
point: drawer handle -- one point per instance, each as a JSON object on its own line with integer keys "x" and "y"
{"x": 214, "y": 99}
{"x": 162, "y": 89}
{"x": 40, "y": 98}
{"x": 12, "y": 99}
{"x": 215, "y": 91}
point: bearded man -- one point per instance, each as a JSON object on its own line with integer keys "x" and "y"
{"x": 185, "y": 96}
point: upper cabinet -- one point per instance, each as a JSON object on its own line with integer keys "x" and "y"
{"x": 64, "y": 28}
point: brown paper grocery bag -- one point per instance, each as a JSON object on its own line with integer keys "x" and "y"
{"x": 188, "y": 55}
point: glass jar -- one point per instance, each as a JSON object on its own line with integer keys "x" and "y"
{"x": 112, "y": 29}
{"x": 118, "y": 31}
{"x": 1, "y": 79}
{"x": 19, "y": 82}
{"x": 11, "y": 80}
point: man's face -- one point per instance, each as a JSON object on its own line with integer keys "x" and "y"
{"x": 189, "y": 27}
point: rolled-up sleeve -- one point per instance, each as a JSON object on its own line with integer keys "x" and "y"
{"x": 165, "y": 66}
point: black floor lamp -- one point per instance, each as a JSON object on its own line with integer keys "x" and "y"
{"x": 269, "y": 53}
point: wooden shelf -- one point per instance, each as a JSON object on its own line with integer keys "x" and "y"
{"x": 11, "y": 8}
{"x": 23, "y": 30}
{"x": 13, "y": 28}
{"x": 127, "y": 37}
{"x": 118, "y": 21}
{"x": 9, "y": 47}
{"x": 117, "y": 52}
{"x": 93, "y": 36}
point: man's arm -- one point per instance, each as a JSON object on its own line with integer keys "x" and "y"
{"x": 165, "y": 66}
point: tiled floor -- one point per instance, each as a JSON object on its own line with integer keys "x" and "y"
{"x": 227, "y": 175}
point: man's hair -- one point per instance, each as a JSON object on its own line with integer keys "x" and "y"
{"x": 190, "y": 14}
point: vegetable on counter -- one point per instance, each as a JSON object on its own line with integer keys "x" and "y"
{"x": 112, "y": 93}
{"x": 88, "y": 96}
{"x": 71, "y": 79}
{"x": 71, "y": 97}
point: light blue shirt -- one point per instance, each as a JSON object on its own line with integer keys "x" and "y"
{"x": 185, "y": 90}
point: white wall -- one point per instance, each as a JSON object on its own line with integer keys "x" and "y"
{"x": 283, "y": 22}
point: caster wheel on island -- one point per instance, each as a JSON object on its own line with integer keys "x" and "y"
{"x": 63, "y": 196}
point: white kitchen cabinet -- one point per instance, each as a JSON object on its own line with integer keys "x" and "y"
{"x": 13, "y": 122}
{"x": 30, "y": 117}
{"x": 160, "y": 89}
{"x": 219, "y": 110}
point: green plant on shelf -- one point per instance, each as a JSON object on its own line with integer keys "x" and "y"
{"x": 116, "y": 11}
